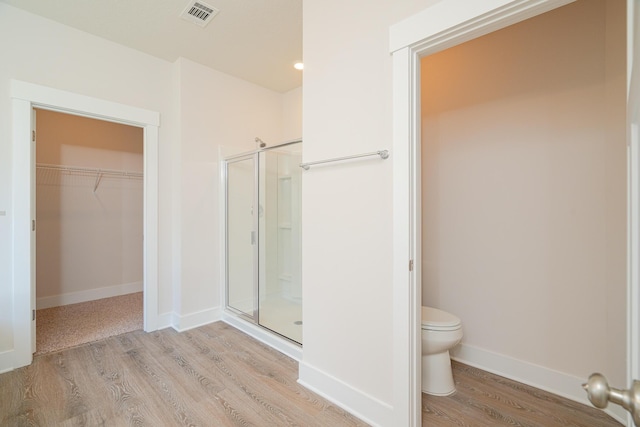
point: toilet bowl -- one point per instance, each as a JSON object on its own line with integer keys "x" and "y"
{"x": 441, "y": 331}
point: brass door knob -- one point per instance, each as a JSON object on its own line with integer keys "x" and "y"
{"x": 600, "y": 394}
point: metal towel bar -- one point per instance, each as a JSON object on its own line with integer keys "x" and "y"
{"x": 382, "y": 153}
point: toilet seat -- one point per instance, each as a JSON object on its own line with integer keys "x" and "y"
{"x": 434, "y": 319}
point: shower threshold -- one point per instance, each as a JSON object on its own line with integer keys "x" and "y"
{"x": 265, "y": 335}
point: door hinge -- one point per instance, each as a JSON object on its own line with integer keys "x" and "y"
{"x": 33, "y": 315}
{"x": 33, "y": 135}
{"x": 33, "y": 225}
{"x": 410, "y": 265}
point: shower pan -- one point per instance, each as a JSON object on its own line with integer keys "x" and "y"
{"x": 262, "y": 224}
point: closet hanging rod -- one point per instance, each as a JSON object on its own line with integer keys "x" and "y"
{"x": 384, "y": 154}
{"x": 74, "y": 169}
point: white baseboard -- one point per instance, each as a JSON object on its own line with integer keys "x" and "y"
{"x": 165, "y": 320}
{"x": 274, "y": 341}
{"x": 88, "y": 295}
{"x": 555, "y": 382}
{"x": 356, "y": 402}
{"x": 6, "y": 361}
{"x": 193, "y": 320}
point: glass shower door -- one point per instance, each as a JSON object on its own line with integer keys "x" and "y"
{"x": 280, "y": 281}
{"x": 263, "y": 254}
{"x": 242, "y": 239}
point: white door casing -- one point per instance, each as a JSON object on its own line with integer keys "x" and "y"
{"x": 439, "y": 27}
{"x": 34, "y": 229}
{"x": 633, "y": 171}
{"x": 26, "y": 96}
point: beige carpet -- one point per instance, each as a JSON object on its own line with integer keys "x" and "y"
{"x": 71, "y": 325}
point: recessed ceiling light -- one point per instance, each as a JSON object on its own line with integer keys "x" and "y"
{"x": 298, "y": 65}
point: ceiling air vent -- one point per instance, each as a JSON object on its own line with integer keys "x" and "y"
{"x": 199, "y": 13}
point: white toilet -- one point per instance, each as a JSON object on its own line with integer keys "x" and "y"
{"x": 440, "y": 332}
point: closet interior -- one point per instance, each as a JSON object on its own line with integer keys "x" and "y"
{"x": 89, "y": 216}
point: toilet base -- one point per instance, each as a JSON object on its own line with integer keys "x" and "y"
{"x": 437, "y": 378}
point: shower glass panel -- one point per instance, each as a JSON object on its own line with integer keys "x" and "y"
{"x": 280, "y": 284}
{"x": 264, "y": 284}
{"x": 241, "y": 236}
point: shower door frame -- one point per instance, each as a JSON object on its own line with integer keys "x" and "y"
{"x": 255, "y": 156}
{"x": 255, "y": 319}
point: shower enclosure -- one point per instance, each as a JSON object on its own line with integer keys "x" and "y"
{"x": 262, "y": 220}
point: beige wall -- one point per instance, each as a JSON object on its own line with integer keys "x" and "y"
{"x": 87, "y": 241}
{"x": 65, "y": 139}
{"x": 524, "y": 189}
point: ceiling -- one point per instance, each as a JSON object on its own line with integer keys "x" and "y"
{"x": 255, "y": 40}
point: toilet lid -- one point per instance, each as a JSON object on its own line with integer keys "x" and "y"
{"x": 439, "y": 320}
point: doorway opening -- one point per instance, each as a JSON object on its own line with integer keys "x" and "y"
{"x": 89, "y": 217}
{"x": 524, "y": 196}
{"x": 434, "y": 29}
{"x": 25, "y": 97}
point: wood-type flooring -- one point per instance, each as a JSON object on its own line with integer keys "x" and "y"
{"x": 215, "y": 375}
{"x": 484, "y": 399}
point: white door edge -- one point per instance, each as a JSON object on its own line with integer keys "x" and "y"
{"x": 633, "y": 189}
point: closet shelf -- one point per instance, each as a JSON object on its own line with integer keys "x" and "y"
{"x": 98, "y": 173}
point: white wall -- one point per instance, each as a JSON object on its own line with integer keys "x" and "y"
{"x": 524, "y": 178}
{"x": 219, "y": 115}
{"x": 292, "y": 114}
{"x": 89, "y": 243}
{"x": 347, "y": 208}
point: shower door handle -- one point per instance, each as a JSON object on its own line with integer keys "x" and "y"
{"x": 253, "y": 237}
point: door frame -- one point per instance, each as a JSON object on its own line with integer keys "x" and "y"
{"x": 24, "y": 97}
{"x": 441, "y": 26}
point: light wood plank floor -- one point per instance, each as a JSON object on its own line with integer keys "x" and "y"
{"x": 484, "y": 399}
{"x": 216, "y": 375}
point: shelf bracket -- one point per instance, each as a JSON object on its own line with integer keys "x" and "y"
{"x": 98, "y": 178}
